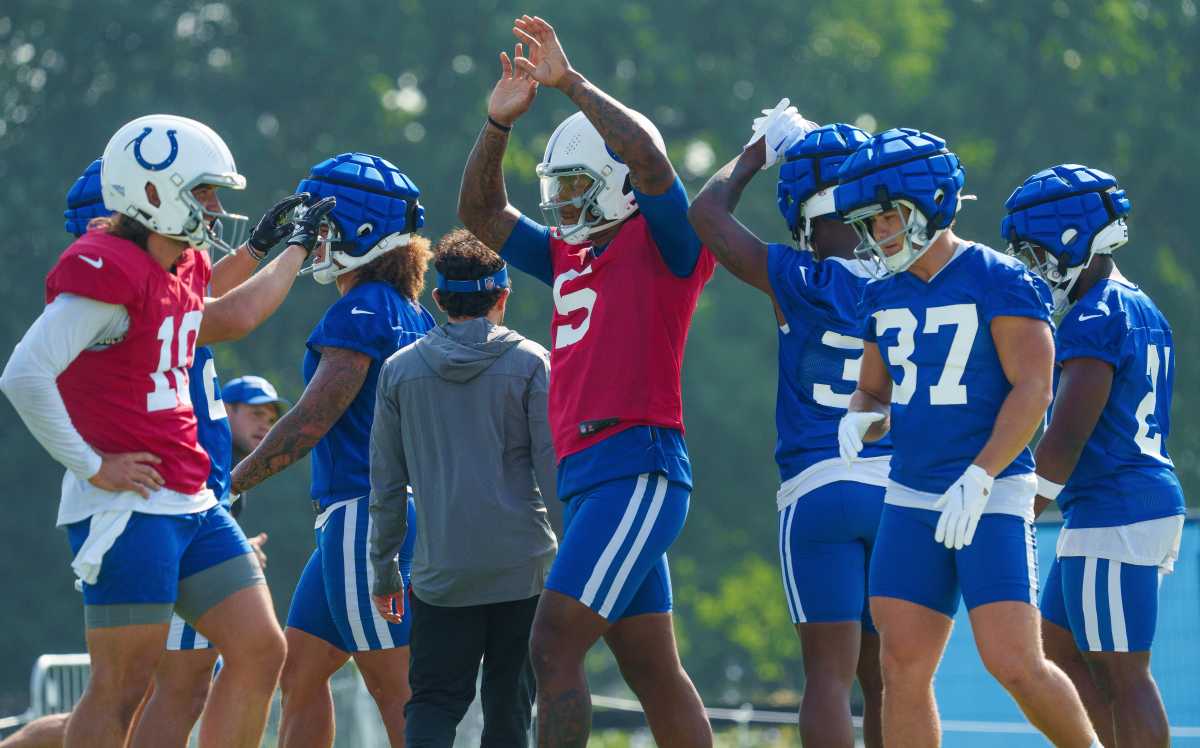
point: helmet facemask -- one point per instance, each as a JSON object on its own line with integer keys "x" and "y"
{"x": 212, "y": 230}
{"x": 337, "y": 259}
{"x": 914, "y": 233}
{"x": 555, "y": 183}
{"x": 1055, "y": 271}
{"x": 817, "y": 206}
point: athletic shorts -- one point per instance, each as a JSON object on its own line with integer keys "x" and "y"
{"x": 1108, "y": 606}
{"x": 825, "y": 540}
{"x": 999, "y": 565}
{"x": 167, "y": 562}
{"x": 332, "y": 600}
{"x": 613, "y": 556}
{"x": 181, "y": 637}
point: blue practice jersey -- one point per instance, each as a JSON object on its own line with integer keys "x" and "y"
{"x": 820, "y": 352}
{"x": 212, "y": 424}
{"x": 1124, "y": 474}
{"x": 936, "y": 340}
{"x": 374, "y": 319}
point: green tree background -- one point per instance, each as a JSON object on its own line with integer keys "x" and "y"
{"x": 1013, "y": 86}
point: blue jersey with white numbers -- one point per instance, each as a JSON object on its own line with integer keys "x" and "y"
{"x": 820, "y": 351}
{"x": 935, "y": 338}
{"x": 212, "y": 425}
{"x": 374, "y": 319}
{"x": 1124, "y": 474}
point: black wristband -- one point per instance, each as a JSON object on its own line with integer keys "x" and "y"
{"x": 255, "y": 254}
{"x": 499, "y": 126}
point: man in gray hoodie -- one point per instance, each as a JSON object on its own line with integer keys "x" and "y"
{"x": 460, "y": 416}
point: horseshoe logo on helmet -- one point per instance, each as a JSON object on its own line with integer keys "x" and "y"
{"x": 137, "y": 151}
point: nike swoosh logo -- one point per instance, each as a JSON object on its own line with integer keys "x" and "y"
{"x": 97, "y": 262}
{"x": 1085, "y": 317}
{"x": 356, "y": 310}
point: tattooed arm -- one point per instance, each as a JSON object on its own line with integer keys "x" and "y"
{"x": 335, "y": 384}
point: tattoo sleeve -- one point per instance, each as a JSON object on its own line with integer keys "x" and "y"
{"x": 650, "y": 169}
{"x": 711, "y": 214}
{"x": 482, "y": 198}
{"x": 336, "y": 383}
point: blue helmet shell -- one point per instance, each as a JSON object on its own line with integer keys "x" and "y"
{"x": 1062, "y": 209}
{"x": 903, "y": 164}
{"x": 812, "y": 164}
{"x": 374, "y": 199}
{"x": 84, "y": 201}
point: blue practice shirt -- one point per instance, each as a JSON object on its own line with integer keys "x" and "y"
{"x": 212, "y": 423}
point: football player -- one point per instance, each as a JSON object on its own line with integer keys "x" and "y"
{"x": 368, "y": 248}
{"x": 124, "y": 311}
{"x": 828, "y": 511}
{"x": 958, "y": 338}
{"x": 626, "y": 270}
{"x": 1104, "y": 455}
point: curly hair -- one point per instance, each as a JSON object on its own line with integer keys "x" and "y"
{"x": 460, "y": 256}
{"x": 124, "y": 227}
{"x": 402, "y": 268}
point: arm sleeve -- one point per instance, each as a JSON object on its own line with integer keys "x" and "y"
{"x": 666, "y": 215}
{"x": 66, "y": 327}
{"x": 528, "y": 249}
{"x": 1016, "y": 293}
{"x": 1091, "y": 331}
{"x": 541, "y": 446}
{"x": 389, "y": 491}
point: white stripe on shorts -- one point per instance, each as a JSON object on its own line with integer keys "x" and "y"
{"x": 614, "y": 543}
{"x": 639, "y": 542}
{"x": 381, "y": 626}
{"x": 789, "y": 570}
{"x": 350, "y": 578}
{"x": 1116, "y": 608}
{"x": 175, "y": 633}
{"x": 783, "y": 564}
{"x": 1031, "y": 562}
{"x": 1091, "y": 619}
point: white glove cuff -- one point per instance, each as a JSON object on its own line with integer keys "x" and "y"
{"x": 980, "y": 476}
{"x": 1049, "y": 488}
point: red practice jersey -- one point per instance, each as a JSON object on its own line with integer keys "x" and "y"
{"x": 132, "y": 395}
{"x": 619, "y": 329}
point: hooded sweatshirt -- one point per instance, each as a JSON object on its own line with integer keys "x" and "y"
{"x": 460, "y": 416}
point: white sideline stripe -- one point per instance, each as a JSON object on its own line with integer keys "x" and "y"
{"x": 1031, "y": 562}
{"x": 783, "y": 563}
{"x": 350, "y": 578}
{"x": 790, "y": 568}
{"x": 381, "y": 626}
{"x": 1116, "y": 607}
{"x": 639, "y": 542}
{"x": 614, "y": 543}
{"x": 1091, "y": 618}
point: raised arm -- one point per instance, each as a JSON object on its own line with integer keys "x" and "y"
{"x": 1083, "y": 389}
{"x": 275, "y": 225}
{"x": 711, "y": 214}
{"x": 624, "y": 130}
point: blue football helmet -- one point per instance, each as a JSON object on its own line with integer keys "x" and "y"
{"x": 84, "y": 201}
{"x": 377, "y": 210}
{"x": 810, "y": 173}
{"x": 898, "y": 168}
{"x": 1070, "y": 212}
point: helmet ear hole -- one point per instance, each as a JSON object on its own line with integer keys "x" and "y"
{"x": 1068, "y": 236}
{"x": 364, "y": 229}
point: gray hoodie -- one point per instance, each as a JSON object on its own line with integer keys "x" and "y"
{"x": 460, "y": 415}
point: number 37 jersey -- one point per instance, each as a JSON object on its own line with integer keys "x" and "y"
{"x": 948, "y": 384}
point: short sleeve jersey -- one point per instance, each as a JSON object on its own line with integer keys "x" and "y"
{"x": 373, "y": 319}
{"x": 1125, "y": 473}
{"x": 131, "y": 394}
{"x": 948, "y": 383}
{"x": 212, "y": 422}
{"x": 820, "y": 352}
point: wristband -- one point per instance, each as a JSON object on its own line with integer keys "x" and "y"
{"x": 498, "y": 126}
{"x": 254, "y": 253}
{"x": 1049, "y": 488}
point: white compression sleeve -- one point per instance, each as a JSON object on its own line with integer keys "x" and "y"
{"x": 67, "y": 326}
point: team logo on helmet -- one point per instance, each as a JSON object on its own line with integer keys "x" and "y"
{"x": 137, "y": 150}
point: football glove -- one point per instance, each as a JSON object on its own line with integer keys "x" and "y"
{"x": 274, "y": 226}
{"x": 781, "y": 128}
{"x": 961, "y": 507}
{"x": 851, "y": 429}
{"x": 307, "y": 225}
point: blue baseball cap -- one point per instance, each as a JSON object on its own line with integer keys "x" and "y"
{"x": 252, "y": 390}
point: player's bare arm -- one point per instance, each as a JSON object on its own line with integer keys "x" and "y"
{"x": 483, "y": 205}
{"x": 338, "y": 378}
{"x": 650, "y": 170}
{"x": 1083, "y": 389}
{"x": 274, "y": 226}
{"x": 1025, "y": 347}
{"x": 874, "y": 391}
{"x": 711, "y": 214}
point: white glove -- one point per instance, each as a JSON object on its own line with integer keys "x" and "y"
{"x": 782, "y": 127}
{"x": 961, "y": 506}
{"x": 851, "y": 430}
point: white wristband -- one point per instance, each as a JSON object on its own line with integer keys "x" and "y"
{"x": 1048, "y": 488}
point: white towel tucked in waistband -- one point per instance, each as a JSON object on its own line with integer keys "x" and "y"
{"x": 103, "y": 530}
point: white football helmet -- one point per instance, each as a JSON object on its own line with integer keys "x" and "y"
{"x": 176, "y": 155}
{"x": 576, "y": 150}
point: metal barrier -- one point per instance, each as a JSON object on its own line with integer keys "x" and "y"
{"x": 55, "y": 685}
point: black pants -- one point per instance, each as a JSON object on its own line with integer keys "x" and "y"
{"x": 447, "y": 645}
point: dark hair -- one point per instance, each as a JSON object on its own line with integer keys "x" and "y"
{"x": 403, "y": 268}
{"x": 124, "y": 227}
{"x": 460, "y": 256}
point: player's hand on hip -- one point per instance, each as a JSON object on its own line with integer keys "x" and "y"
{"x": 961, "y": 506}
{"x": 391, "y": 607}
{"x": 256, "y": 544}
{"x": 128, "y": 471}
{"x": 851, "y": 430}
{"x": 306, "y": 229}
{"x": 515, "y": 90}
{"x": 275, "y": 225}
{"x": 547, "y": 63}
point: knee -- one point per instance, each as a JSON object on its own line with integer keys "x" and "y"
{"x": 545, "y": 648}
{"x": 263, "y": 654}
{"x": 386, "y": 690}
{"x": 904, "y": 666}
{"x": 1014, "y": 670}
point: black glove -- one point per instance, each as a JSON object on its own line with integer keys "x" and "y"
{"x": 308, "y": 226}
{"x": 274, "y": 226}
